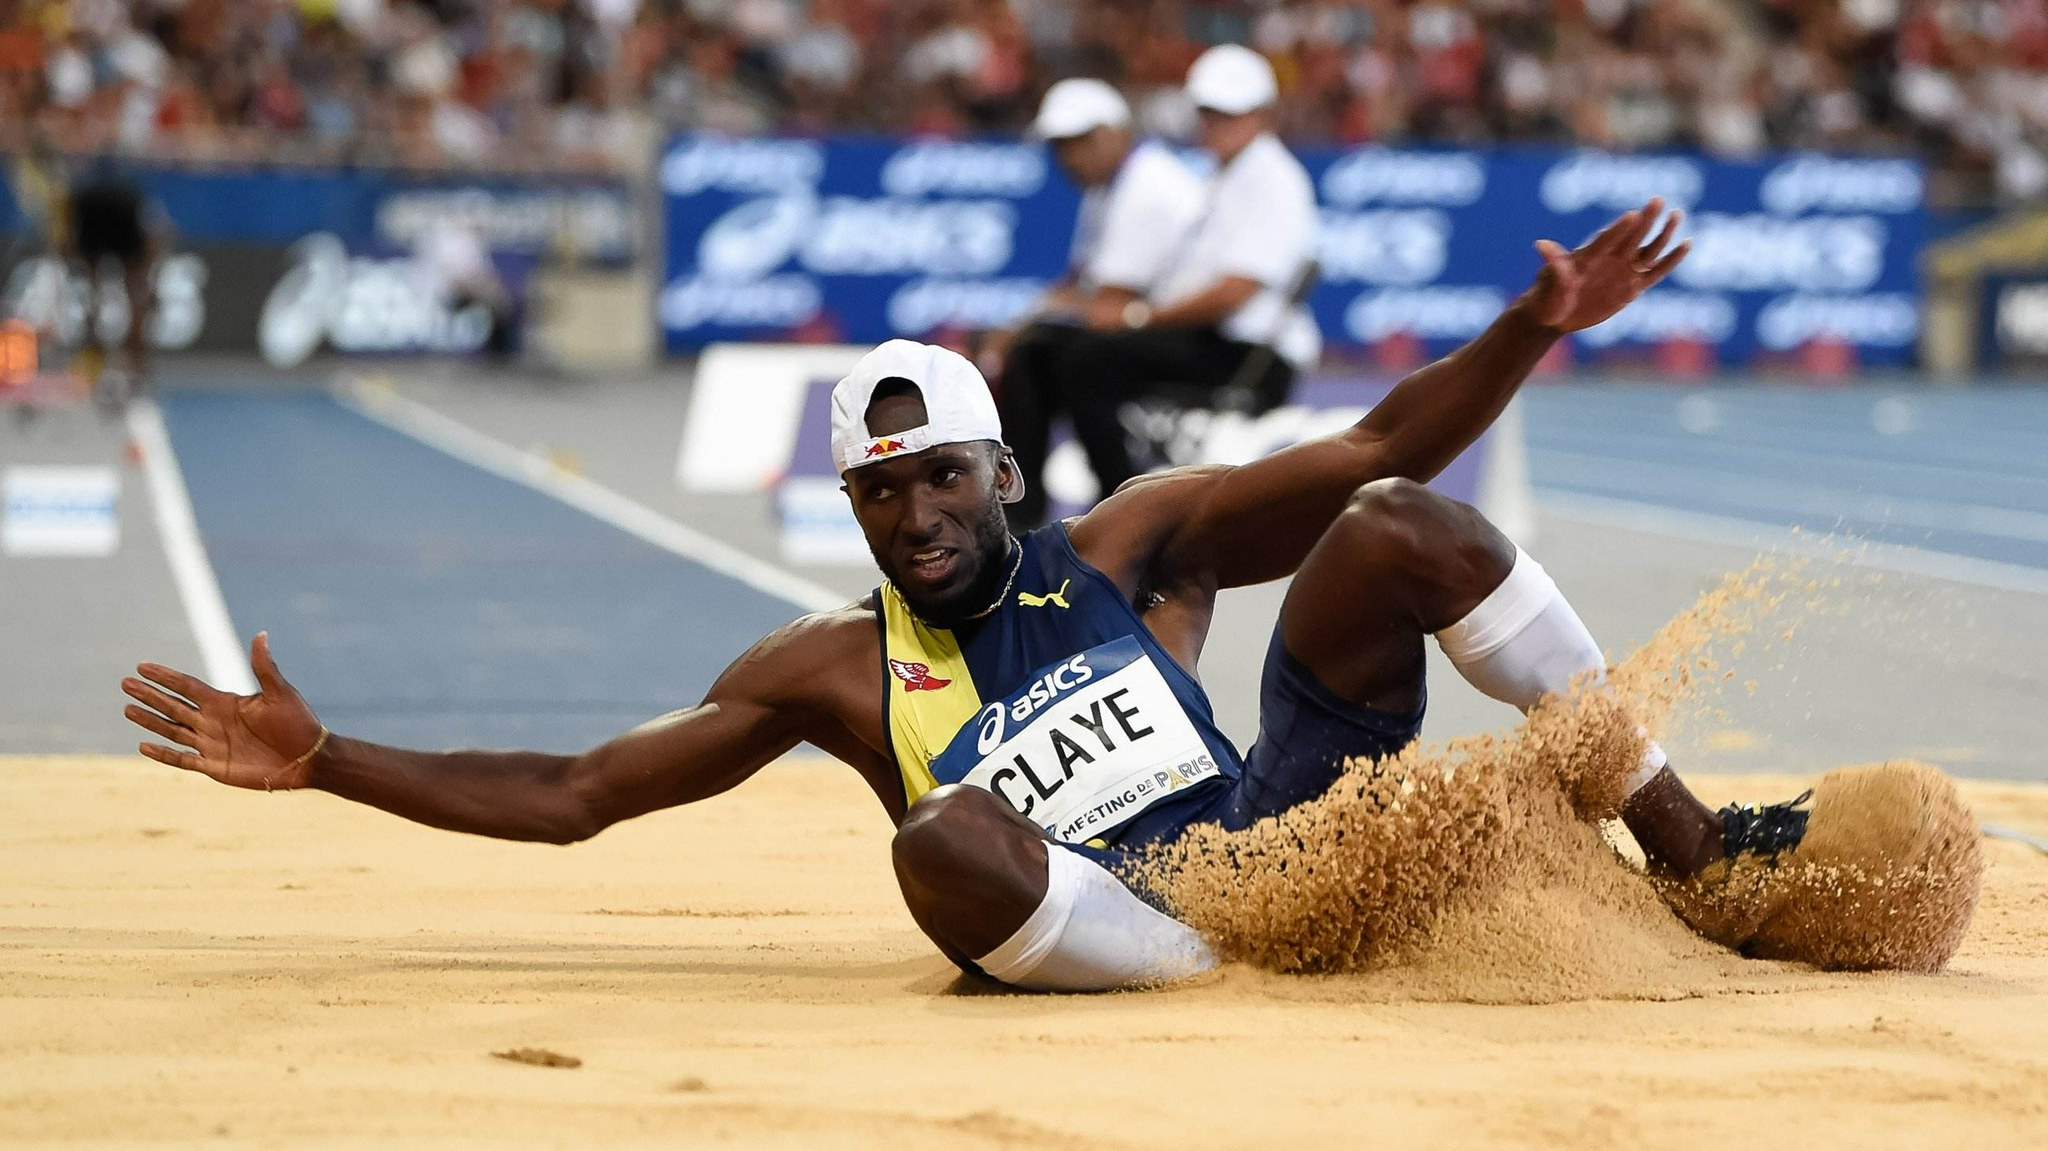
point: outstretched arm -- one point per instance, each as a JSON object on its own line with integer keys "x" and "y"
{"x": 1249, "y": 524}
{"x": 760, "y": 708}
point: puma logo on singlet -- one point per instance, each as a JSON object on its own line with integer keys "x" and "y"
{"x": 917, "y": 676}
{"x": 1057, "y": 598}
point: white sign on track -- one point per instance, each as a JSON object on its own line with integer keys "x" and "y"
{"x": 60, "y": 511}
{"x": 745, "y": 405}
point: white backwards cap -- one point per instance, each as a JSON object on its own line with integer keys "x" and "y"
{"x": 957, "y": 403}
{"x": 1077, "y": 107}
{"x": 1232, "y": 79}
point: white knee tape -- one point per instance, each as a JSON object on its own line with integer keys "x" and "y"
{"x": 1524, "y": 642}
{"x": 1091, "y": 934}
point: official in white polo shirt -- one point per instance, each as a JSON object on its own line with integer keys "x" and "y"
{"x": 1220, "y": 300}
{"x": 1138, "y": 205}
{"x": 1259, "y": 227}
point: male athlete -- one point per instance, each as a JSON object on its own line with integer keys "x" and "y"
{"x": 1025, "y": 708}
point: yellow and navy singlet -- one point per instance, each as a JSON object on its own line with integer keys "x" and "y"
{"x": 1059, "y": 701}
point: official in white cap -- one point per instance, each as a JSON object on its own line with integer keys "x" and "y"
{"x": 1138, "y": 201}
{"x": 1219, "y": 303}
{"x": 1258, "y": 233}
{"x": 1138, "y": 205}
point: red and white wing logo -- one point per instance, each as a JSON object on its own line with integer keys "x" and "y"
{"x": 917, "y": 676}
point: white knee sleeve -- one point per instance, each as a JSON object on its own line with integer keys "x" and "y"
{"x": 1092, "y": 934}
{"x": 1524, "y": 642}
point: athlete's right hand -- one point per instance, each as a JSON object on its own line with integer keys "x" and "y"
{"x": 253, "y": 741}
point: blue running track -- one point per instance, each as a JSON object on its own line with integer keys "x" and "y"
{"x": 417, "y": 600}
{"x": 1964, "y": 473}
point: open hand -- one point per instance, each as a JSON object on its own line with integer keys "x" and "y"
{"x": 1577, "y": 289}
{"x": 252, "y": 741}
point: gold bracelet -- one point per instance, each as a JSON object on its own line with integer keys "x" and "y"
{"x": 311, "y": 751}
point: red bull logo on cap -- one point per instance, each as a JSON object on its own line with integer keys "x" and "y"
{"x": 887, "y": 447}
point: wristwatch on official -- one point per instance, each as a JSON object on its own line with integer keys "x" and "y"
{"x": 1137, "y": 314}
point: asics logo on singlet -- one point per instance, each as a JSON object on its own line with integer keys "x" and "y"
{"x": 991, "y": 728}
{"x": 1056, "y": 598}
{"x": 1064, "y": 678}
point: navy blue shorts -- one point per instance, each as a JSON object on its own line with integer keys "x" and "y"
{"x": 1306, "y": 734}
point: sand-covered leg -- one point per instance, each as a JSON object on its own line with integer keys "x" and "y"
{"x": 1881, "y": 873}
{"x": 1524, "y": 644}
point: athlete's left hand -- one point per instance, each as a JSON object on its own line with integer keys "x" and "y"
{"x": 1577, "y": 289}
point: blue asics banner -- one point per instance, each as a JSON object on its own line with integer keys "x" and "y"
{"x": 1786, "y": 250}
{"x": 379, "y": 212}
{"x": 856, "y": 240}
{"x": 862, "y": 239}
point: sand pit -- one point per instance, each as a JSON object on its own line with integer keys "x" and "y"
{"x": 188, "y": 964}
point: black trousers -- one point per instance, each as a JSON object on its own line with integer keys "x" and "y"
{"x": 1060, "y": 369}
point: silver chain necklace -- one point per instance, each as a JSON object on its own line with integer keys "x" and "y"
{"x": 1016, "y": 565}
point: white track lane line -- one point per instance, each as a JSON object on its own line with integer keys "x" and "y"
{"x": 1998, "y": 831}
{"x": 419, "y": 422}
{"x": 1653, "y": 519}
{"x": 227, "y": 666}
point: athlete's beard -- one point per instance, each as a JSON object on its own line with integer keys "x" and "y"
{"x": 990, "y": 556}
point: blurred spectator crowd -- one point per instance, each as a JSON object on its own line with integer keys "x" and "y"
{"x": 592, "y": 83}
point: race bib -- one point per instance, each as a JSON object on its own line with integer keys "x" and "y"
{"x": 1084, "y": 746}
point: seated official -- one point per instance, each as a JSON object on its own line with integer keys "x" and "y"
{"x": 1138, "y": 203}
{"x": 1220, "y": 298}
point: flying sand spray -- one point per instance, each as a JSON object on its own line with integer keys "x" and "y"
{"x": 1480, "y": 861}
